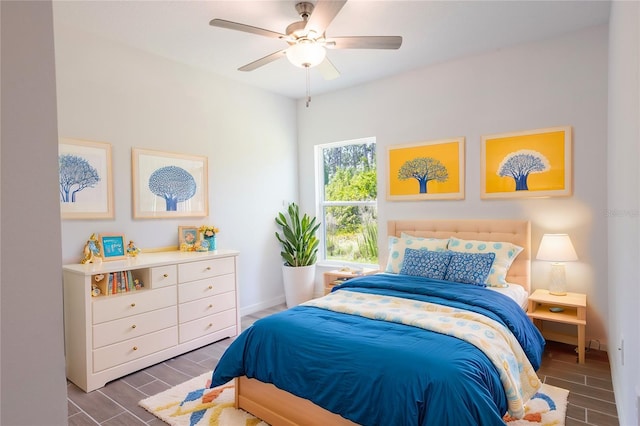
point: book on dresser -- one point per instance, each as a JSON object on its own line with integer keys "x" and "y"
{"x": 148, "y": 309}
{"x": 116, "y": 282}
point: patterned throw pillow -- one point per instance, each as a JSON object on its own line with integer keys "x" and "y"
{"x": 424, "y": 263}
{"x": 504, "y": 252}
{"x": 397, "y": 247}
{"x": 470, "y": 268}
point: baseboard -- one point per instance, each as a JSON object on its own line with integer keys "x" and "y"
{"x": 248, "y": 310}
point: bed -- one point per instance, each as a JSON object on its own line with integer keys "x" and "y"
{"x": 350, "y": 358}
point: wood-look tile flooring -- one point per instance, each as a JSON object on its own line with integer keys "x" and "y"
{"x": 591, "y": 399}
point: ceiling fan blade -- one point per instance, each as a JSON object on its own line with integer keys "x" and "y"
{"x": 263, "y": 61}
{"x": 364, "y": 42}
{"x": 221, "y": 23}
{"x": 323, "y": 13}
{"x": 327, "y": 70}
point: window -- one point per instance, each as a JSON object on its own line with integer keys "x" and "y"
{"x": 347, "y": 201}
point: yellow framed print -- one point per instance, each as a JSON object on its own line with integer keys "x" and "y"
{"x": 527, "y": 164}
{"x": 431, "y": 170}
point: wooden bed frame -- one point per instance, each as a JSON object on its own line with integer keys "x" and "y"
{"x": 278, "y": 407}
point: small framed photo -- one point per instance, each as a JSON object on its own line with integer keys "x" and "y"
{"x": 112, "y": 247}
{"x": 188, "y": 237}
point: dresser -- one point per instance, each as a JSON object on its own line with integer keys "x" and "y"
{"x": 183, "y": 301}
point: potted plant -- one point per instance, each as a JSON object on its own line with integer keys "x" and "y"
{"x": 299, "y": 252}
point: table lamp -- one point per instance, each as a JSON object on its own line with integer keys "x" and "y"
{"x": 557, "y": 248}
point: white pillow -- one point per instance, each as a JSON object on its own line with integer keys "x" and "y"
{"x": 397, "y": 246}
{"x": 505, "y": 254}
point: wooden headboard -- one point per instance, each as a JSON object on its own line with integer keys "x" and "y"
{"x": 513, "y": 231}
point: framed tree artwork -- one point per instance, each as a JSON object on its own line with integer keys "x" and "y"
{"x": 426, "y": 171}
{"x": 526, "y": 164}
{"x": 85, "y": 179}
{"x": 168, "y": 185}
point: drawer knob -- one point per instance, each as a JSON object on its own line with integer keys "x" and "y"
{"x": 133, "y": 305}
{"x": 210, "y": 305}
{"x": 210, "y": 325}
{"x": 208, "y": 268}
{"x": 210, "y": 287}
{"x": 135, "y": 348}
{"x": 133, "y": 326}
{"x": 166, "y": 275}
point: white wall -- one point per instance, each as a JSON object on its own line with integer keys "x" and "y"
{"x": 557, "y": 82}
{"x": 32, "y": 361}
{"x": 624, "y": 232}
{"x": 112, "y": 93}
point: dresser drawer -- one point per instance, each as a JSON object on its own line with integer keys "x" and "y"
{"x": 119, "y": 330}
{"x": 129, "y": 350}
{"x": 205, "y": 269}
{"x": 162, "y": 276}
{"x": 119, "y": 306}
{"x": 209, "y": 324}
{"x": 207, "y": 306}
{"x": 204, "y": 288}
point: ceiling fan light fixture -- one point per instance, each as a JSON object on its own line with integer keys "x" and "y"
{"x": 306, "y": 54}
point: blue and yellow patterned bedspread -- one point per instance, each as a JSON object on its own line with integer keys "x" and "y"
{"x": 374, "y": 371}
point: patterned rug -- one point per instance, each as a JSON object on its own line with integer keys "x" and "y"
{"x": 192, "y": 403}
{"x": 548, "y": 407}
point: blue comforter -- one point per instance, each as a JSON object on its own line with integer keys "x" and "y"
{"x": 380, "y": 373}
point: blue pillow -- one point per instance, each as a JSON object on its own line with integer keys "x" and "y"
{"x": 470, "y": 268}
{"x": 425, "y": 263}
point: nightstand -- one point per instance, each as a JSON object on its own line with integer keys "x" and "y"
{"x": 569, "y": 309}
{"x": 337, "y": 276}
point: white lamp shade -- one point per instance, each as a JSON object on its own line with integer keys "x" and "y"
{"x": 556, "y": 248}
{"x": 306, "y": 54}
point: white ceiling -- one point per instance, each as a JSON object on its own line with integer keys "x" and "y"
{"x": 432, "y": 31}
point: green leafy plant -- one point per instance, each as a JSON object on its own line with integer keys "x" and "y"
{"x": 298, "y": 238}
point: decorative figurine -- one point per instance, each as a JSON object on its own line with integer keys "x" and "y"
{"x": 132, "y": 250}
{"x": 91, "y": 251}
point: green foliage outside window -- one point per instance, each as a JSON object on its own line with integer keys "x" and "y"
{"x": 351, "y": 178}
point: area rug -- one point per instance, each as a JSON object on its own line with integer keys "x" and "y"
{"x": 192, "y": 403}
{"x": 548, "y": 407}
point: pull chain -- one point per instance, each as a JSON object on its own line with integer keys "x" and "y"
{"x": 308, "y": 85}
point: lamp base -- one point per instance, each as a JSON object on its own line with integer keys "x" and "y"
{"x": 557, "y": 284}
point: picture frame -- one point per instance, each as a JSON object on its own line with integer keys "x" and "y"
{"x": 112, "y": 247}
{"x": 432, "y": 170}
{"x": 157, "y": 173}
{"x": 527, "y": 164}
{"x": 188, "y": 236}
{"x": 85, "y": 179}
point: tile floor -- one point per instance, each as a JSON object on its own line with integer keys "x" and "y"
{"x": 591, "y": 399}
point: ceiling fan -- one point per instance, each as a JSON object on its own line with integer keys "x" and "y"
{"x": 307, "y": 40}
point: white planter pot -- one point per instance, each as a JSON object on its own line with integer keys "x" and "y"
{"x": 299, "y": 283}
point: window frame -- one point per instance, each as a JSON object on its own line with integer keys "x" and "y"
{"x": 321, "y": 203}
